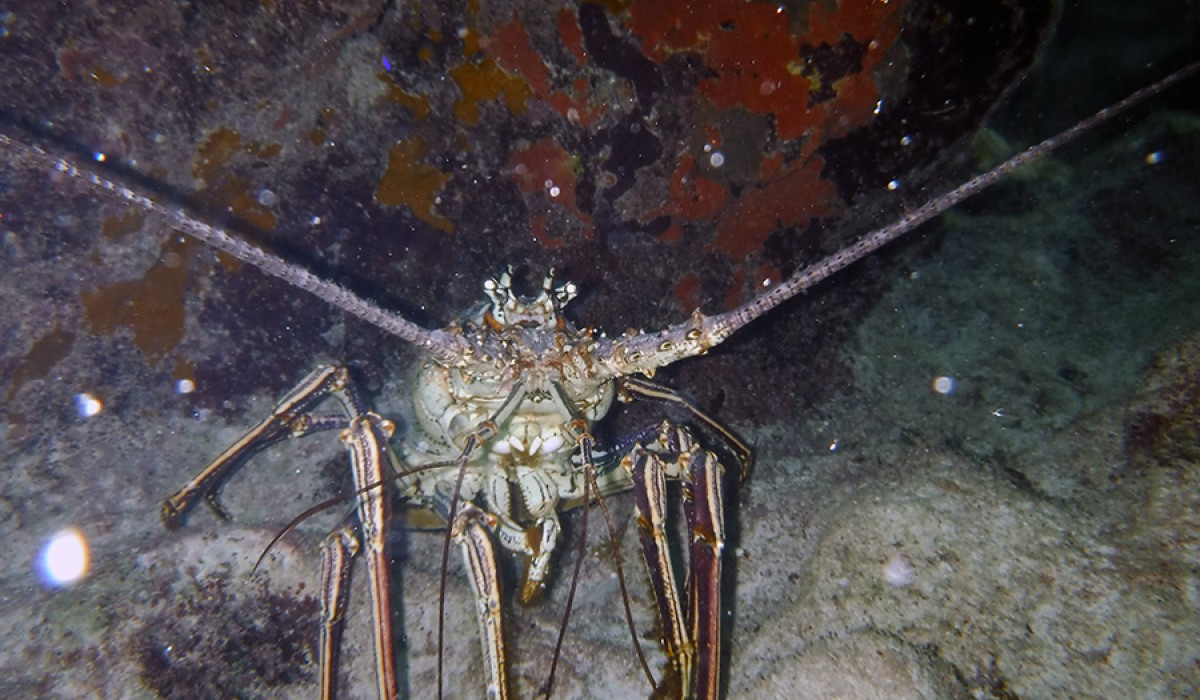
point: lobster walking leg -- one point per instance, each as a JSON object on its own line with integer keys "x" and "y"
{"x": 472, "y": 530}
{"x": 289, "y": 419}
{"x": 337, "y": 552}
{"x": 366, "y": 438}
{"x": 365, "y": 435}
{"x": 650, "y": 499}
{"x": 706, "y": 518}
{"x": 691, "y": 639}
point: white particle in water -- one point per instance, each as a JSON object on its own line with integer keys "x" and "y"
{"x": 65, "y": 558}
{"x": 87, "y": 405}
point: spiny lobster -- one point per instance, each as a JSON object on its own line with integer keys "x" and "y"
{"x": 504, "y": 404}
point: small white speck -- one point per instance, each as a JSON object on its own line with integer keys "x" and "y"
{"x": 99, "y": 157}
{"x": 878, "y": 107}
{"x": 1154, "y": 158}
{"x": 899, "y": 571}
{"x": 833, "y": 446}
{"x": 944, "y": 385}
{"x": 315, "y": 221}
{"x": 266, "y": 197}
{"x": 717, "y": 159}
{"x": 906, "y": 140}
{"x": 554, "y": 191}
{"x": 893, "y": 185}
{"x": 185, "y": 386}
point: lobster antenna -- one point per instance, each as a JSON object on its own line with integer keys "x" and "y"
{"x": 723, "y": 325}
{"x": 645, "y": 352}
{"x": 441, "y": 345}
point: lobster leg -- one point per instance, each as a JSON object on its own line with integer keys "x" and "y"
{"x": 706, "y": 519}
{"x": 366, "y": 439}
{"x": 473, "y": 531}
{"x": 691, "y": 639}
{"x": 650, "y": 499}
{"x": 365, "y": 435}
{"x": 289, "y": 419}
{"x": 337, "y": 552}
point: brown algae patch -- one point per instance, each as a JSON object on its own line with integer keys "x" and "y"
{"x": 411, "y": 183}
{"x": 151, "y": 307}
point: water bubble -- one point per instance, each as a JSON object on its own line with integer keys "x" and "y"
{"x": 64, "y": 558}
{"x": 87, "y": 405}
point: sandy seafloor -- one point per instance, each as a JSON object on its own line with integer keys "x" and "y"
{"x": 1034, "y": 533}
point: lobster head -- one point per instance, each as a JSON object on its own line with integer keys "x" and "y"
{"x": 509, "y": 309}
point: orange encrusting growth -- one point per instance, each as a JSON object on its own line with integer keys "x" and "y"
{"x": 225, "y": 190}
{"x": 151, "y": 307}
{"x": 412, "y": 183}
{"x": 482, "y": 81}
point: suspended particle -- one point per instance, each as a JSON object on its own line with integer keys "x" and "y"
{"x": 64, "y": 559}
